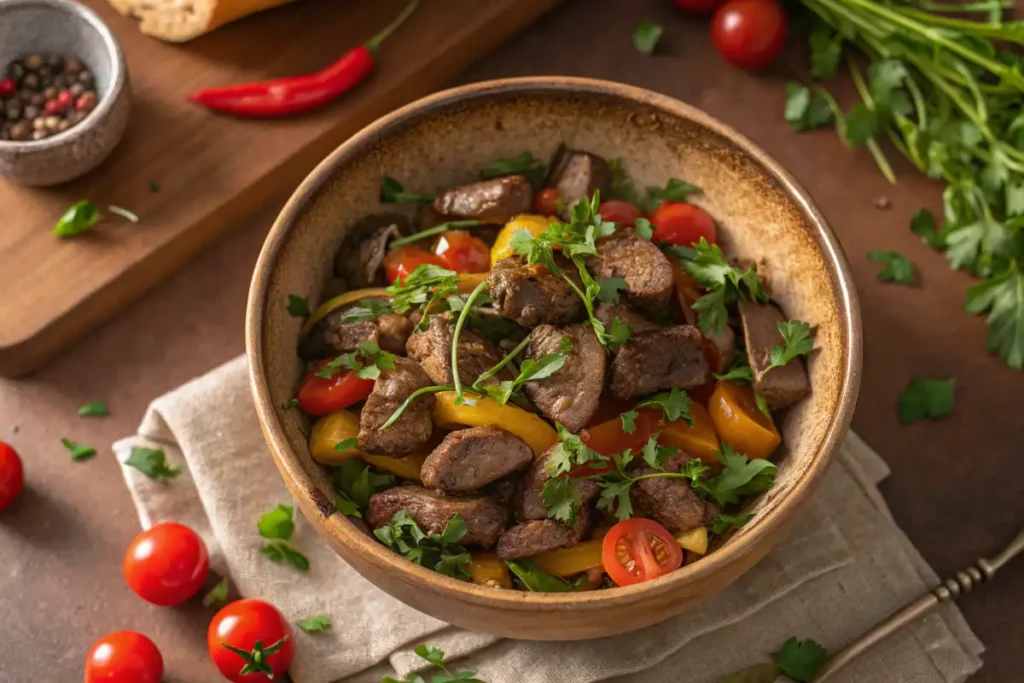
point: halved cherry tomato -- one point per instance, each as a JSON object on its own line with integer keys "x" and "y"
{"x": 12, "y": 475}
{"x": 124, "y": 657}
{"x": 639, "y": 549}
{"x": 618, "y": 211}
{"x": 749, "y": 34}
{"x": 319, "y": 396}
{"x": 682, "y": 224}
{"x": 698, "y": 6}
{"x": 242, "y": 624}
{"x": 545, "y": 202}
{"x": 739, "y": 422}
{"x": 609, "y": 438}
{"x": 403, "y": 260}
{"x": 462, "y": 252}
{"x": 166, "y": 564}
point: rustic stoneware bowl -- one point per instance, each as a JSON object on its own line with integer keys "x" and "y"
{"x": 68, "y": 29}
{"x": 445, "y": 139}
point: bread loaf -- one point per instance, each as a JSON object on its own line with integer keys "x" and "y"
{"x": 181, "y": 20}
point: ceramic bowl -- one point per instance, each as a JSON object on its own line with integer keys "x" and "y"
{"x": 445, "y": 139}
{"x": 69, "y": 29}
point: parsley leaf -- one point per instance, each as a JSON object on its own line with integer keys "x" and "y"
{"x": 646, "y": 36}
{"x": 800, "y": 659}
{"x": 926, "y": 398}
{"x": 739, "y": 477}
{"x": 440, "y": 552}
{"x": 431, "y": 653}
{"x": 216, "y": 596}
{"x": 898, "y": 268}
{"x": 826, "y": 48}
{"x": 615, "y": 498}
{"x": 861, "y": 125}
{"x": 618, "y": 334}
{"x": 79, "y": 452}
{"x": 571, "y": 452}
{"x": 723, "y": 522}
{"x": 655, "y": 456}
{"x": 644, "y": 228}
{"x": 805, "y": 110}
{"x": 392, "y": 192}
{"x": 298, "y": 306}
{"x": 524, "y": 164}
{"x": 629, "y": 421}
{"x": 675, "y": 403}
{"x": 366, "y": 361}
{"x": 1002, "y": 296}
{"x": 277, "y": 523}
{"x": 94, "y": 409}
{"x": 797, "y": 340}
{"x": 531, "y": 370}
{"x": 366, "y": 309}
{"x": 739, "y": 372}
{"x": 354, "y": 482}
{"x": 675, "y": 190}
{"x": 427, "y": 281}
{"x": 610, "y": 287}
{"x": 723, "y": 282}
{"x": 923, "y": 224}
{"x": 153, "y": 463}
{"x": 536, "y": 579}
{"x": 315, "y": 624}
{"x": 561, "y": 498}
{"x": 282, "y": 552}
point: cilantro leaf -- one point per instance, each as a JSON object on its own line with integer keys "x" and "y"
{"x": 800, "y": 659}
{"x": 723, "y": 282}
{"x": 1002, "y": 296}
{"x": 315, "y": 624}
{"x": 923, "y": 224}
{"x": 94, "y": 409}
{"x": 826, "y": 48}
{"x": 629, "y": 421}
{"x": 675, "y": 403}
{"x": 723, "y": 522}
{"x": 643, "y": 228}
{"x": 739, "y": 372}
{"x": 618, "y": 334}
{"x": 298, "y": 306}
{"x": 531, "y": 370}
{"x": 805, "y": 110}
{"x": 739, "y": 477}
{"x": 615, "y": 498}
{"x": 425, "y": 282}
{"x": 646, "y": 36}
{"x": 440, "y": 552}
{"x": 366, "y": 361}
{"x": 654, "y": 455}
{"x": 797, "y": 340}
{"x": 524, "y": 164}
{"x": 277, "y": 523}
{"x": 571, "y": 452}
{"x": 153, "y": 463}
{"x": 218, "y": 595}
{"x": 289, "y": 403}
{"x": 366, "y": 309}
{"x": 926, "y": 398}
{"x": 79, "y": 452}
{"x": 861, "y": 125}
{"x": 354, "y": 482}
{"x": 392, "y": 192}
{"x": 610, "y": 287}
{"x": 675, "y": 190}
{"x": 282, "y": 552}
{"x": 536, "y": 579}
{"x": 561, "y": 498}
{"x": 898, "y": 268}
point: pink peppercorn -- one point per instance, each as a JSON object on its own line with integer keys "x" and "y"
{"x": 7, "y": 87}
{"x": 64, "y": 99}
{"x": 53, "y": 107}
{"x": 86, "y": 101}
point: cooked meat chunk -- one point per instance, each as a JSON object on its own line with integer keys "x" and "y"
{"x": 504, "y": 490}
{"x": 433, "y": 350}
{"x": 607, "y": 313}
{"x": 484, "y": 516}
{"x": 577, "y": 174}
{"x": 670, "y": 502}
{"x": 570, "y": 395}
{"x": 672, "y": 358}
{"x": 360, "y": 259}
{"x": 783, "y": 386}
{"x": 491, "y": 201}
{"x": 468, "y": 459}
{"x": 412, "y": 430}
{"x": 647, "y": 272}
{"x": 394, "y": 330}
{"x": 331, "y": 336}
{"x": 530, "y": 505}
{"x": 540, "y": 535}
{"x": 532, "y": 295}
{"x": 724, "y": 341}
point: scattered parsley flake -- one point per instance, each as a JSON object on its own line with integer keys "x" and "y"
{"x": 94, "y": 409}
{"x": 897, "y": 267}
{"x": 315, "y": 624}
{"x": 152, "y": 462}
{"x": 298, "y": 306}
{"x": 646, "y": 36}
{"x": 925, "y": 398}
{"x": 79, "y": 452}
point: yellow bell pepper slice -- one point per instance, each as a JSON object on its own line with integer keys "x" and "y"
{"x": 694, "y": 540}
{"x": 406, "y": 467}
{"x": 330, "y": 430}
{"x": 532, "y": 223}
{"x": 469, "y": 281}
{"x": 343, "y": 299}
{"x": 699, "y": 441}
{"x": 476, "y": 411}
{"x": 570, "y": 561}
{"x": 489, "y": 571}
{"x": 740, "y": 423}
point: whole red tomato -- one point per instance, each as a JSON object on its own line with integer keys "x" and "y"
{"x": 682, "y": 224}
{"x": 124, "y": 657}
{"x": 698, "y": 6}
{"x": 250, "y": 641}
{"x": 462, "y": 252}
{"x": 545, "y": 202}
{"x": 749, "y": 33}
{"x": 12, "y": 476}
{"x": 166, "y": 564}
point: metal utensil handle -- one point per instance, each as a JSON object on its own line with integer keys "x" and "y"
{"x": 947, "y": 591}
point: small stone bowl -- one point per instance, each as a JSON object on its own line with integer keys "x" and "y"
{"x": 68, "y": 29}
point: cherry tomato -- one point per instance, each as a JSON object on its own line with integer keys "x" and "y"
{"x": 546, "y": 202}
{"x": 124, "y": 657}
{"x": 319, "y": 396}
{"x": 618, "y": 211}
{"x": 166, "y": 564}
{"x": 403, "y": 260}
{"x": 12, "y": 476}
{"x": 698, "y": 6}
{"x": 749, "y": 34}
{"x": 639, "y": 549}
{"x": 241, "y": 624}
{"x": 682, "y": 224}
{"x": 609, "y": 438}
{"x": 463, "y": 253}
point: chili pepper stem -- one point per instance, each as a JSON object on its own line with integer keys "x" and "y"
{"x": 373, "y": 43}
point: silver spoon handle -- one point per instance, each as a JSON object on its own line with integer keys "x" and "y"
{"x": 947, "y": 591}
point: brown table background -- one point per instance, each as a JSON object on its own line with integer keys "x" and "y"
{"x": 956, "y": 487}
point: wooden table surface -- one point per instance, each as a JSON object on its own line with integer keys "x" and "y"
{"x": 955, "y": 488}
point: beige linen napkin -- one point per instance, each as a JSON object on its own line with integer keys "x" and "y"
{"x": 844, "y": 567}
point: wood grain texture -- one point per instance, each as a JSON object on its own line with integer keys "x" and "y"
{"x": 213, "y": 171}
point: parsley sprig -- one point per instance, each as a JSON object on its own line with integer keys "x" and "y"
{"x": 440, "y": 552}
{"x": 723, "y": 283}
{"x": 675, "y": 403}
{"x": 435, "y": 656}
{"x": 354, "y": 482}
{"x": 152, "y": 462}
{"x": 392, "y": 192}
{"x": 366, "y": 361}
{"x": 424, "y": 286}
{"x": 278, "y": 526}
{"x": 524, "y": 164}
{"x": 797, "y": 340}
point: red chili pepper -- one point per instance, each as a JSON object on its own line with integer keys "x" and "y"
{"x": 296, "y": 94}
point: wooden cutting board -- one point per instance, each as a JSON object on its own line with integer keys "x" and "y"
{"x": 213, "y": 171}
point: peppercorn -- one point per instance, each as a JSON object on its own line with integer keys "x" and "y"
{"x": 30, "y": 81}
{"x": 72, "y": 66}
{"x": 44, "y": 94}
{"x": 86, "y": 101}
{"x": 33, "y": 62}
{"x": 39, "y": 134}
{"x": 76, "y": 89}
{"x": 7, "y": 87}
{"x": 50, "y": 92}
{"x": 21, "y": 131}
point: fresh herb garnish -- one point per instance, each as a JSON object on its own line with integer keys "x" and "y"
{"x": 723, "y": 522}
{"x": 435, "y": 656}
{"x": 524, "y": 164}
{"x": 897, "y": 267}
{"x": 278, "y": 526}
{"x": 739, "y": 372}
{"x": 354, "y": 482}
{"x": 797, "y": 340}
{"x": 646, "y": 36}
{"x": 675, "y": 190}
{"x": 94, "y": 409}
{"x": 436, "y": 230}
{"x": 392, "y": 192}
{"x": 629, "y": 421}
{"x": 800, "y": 659}
{"x": 618, "y": 334}
{"x": 217, "y": 596}
{"x": 536, "y": 579}
{"x": 298, "y": 306}
{"x": 561, "y": 498}
{"x": 610, "y": 288}
{"x": 282, "y": 552}
{"x": 153, "y": 463}
{"x": 571, "y": 452}
{"x": 367, "y": 309}
{"x": 675, "y": 403}
{"x": 82, "y": 215}
{"x": 925, "y": 398}
{"x": 315, "y": 624}
{"x": 123, "y": 213}
{"x": 366, "y": 361}
{"x": 426, "y": 284}
{"x": 440, "y": 552}
{"x": 644, "y": 228}
{"x": 723, "y": 282}
{"x": 923, "y": 225}
{"x": 530, "y": 370}
{"x": 79, "y": 452}
{"x": 347, "y": 444}
{"x": 739, "y": 477}
{"x": 289, "y": 403}
{"x": 804, "y": 110}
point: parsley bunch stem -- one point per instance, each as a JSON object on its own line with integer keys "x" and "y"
{"x": 459, "y": 324}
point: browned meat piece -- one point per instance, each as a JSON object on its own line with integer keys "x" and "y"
{"x": 433, "y": 350}
{"x": 783, "y": 386}
{"x": 532, "y": 295}
{"x": 668, "y": 501}
{"x": 412, "y": 430}
{"x": 577, "y": 174}
{"x": 538, "y": 536}
{"x": 672, "y": 358}
{"x": 724, "y": 341}
{"x": 645, "y": 269}
{"x": 468, "y": 459}
{"x": 331, "y": 336}
{"x": 607, "y": 313}
{"x": 491, "y": 201}
{"x": 484, "y": 516}
{"x": 504, "y": 490}
{"x": 360, "y": 259}
{"x": 569, "y": 396}
{"x": 394, "y": 330}
{"x": 529, "y": 504}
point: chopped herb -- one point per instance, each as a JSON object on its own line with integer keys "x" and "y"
{"x": 289, "y": 403}
{"x": 426, "y": 283}
{"x": 797, "y": 340}
{"x": 435, "y": 656}
{"x": 923, "y": 225}
{"x": 315, "y": 624}
{"x": 826, "y": 49}
{"x": 722, "y": 522}
{"x": 392, "y": 192}
{"x": 153, "y": 463}
{"x": 440, "y": 552}
{"x": 347, "y": 444}
{"x": 354, "y": 482}
{"x": 656, "y": 456}
{"x": 536, "y": 579}
{"x": 94, "y": 409}
{"x": 804, "y": 110}
{"x": 618, "y": 334}
{"x": 298, "y": 306}
{"x": 366, "y": 309}
{"x": 525, "y": 165}
{"x": 610, "y": 288}
{"x": 629, "y": 421}
{"x": 366, "y": 361}
{"x": 277, "y": 523}
{"x": 898, "y": 268}
{"x": 739, "y": 372}
{"x": 82, "y": 215}
{"x": 79, "y": 452}
{"x": 643, "y": 228}
{"x": 123, "y": 213}
{"x": 646, "y": 36}
{"x": 154, "y": 187}
{"x": 217, "y": 596}
{"x": 571, "y": 452}
{"x": 675, "y": 190}
{"x": 531, "y": 370}
{"x": 436, "y": 230}
{"x": 800, "y": 659}
{"x": 925, "y": 398}
{"x": 739, "y": 477}
{"x": 675, "y": 403}
{"x": 561, "y": 498}
{"x": 724, "y": 283}
{"x": 282, "y": 552}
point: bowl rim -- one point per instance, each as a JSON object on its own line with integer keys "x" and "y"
{"x": 118, "y": 74}
{"x": 383, "y": 559}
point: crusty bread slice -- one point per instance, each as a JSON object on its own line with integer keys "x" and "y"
{"x": 180, "y": 20}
